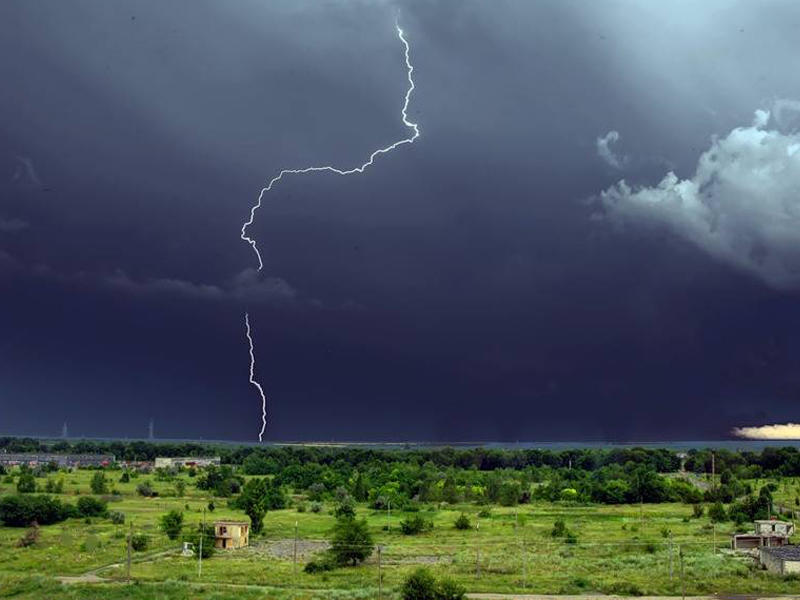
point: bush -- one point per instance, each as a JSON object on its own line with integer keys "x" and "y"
{"x": 208, "y": 540}
{"x": 91, "y": 507}
{"x": 698, "y": 510}
{"x": 30, "y": 538}
{"x": 326, "y": 562}
{"x": 117, "y": 517}
{"x": 22, "y": 510}
{"x": 716, "y": 512}
{"x": 420, "y": 585}
{"x": 559, "y": 528}
{"x": 211, "y": 506}
{"x": 414, "y": 525}
{"x": 171, "y": 524}
{"x": 301, "y": 507}
{"x": 462, "y": 522}
{"x": 146, "y": 490}
{"x": 125, "y": 477}
{"x": 139, "y": 542}
{"x": 449, "y": 589}
{"x": 316, "y": 507}
{"x": 351, "y": 542}
{"x": 345, "y": 509}
{"x": 99, "y": 484}
{"x": 485, "y": 513}
{"x": 26, "y": 484}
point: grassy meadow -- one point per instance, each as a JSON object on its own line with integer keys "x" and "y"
{"x": 617, "y": 549}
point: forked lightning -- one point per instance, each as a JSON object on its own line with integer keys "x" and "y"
{"x": 331, "y": 169}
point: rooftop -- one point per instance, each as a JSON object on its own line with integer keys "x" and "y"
{"x": 231, "y": 523}
{"x": 784, "y": 552}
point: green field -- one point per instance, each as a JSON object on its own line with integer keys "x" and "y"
{"x": 620, "y": 549}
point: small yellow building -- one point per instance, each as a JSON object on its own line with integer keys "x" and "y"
{"x": 231, "y": 534}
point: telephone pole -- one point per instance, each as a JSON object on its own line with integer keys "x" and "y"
{"x": 200, "y": 552}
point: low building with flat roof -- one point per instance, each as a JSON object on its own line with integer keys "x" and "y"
{"x": 33, "y": 459}
{"x": 783, "y": 560}
{"x": 168, "y": 462}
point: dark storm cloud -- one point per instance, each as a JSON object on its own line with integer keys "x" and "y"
{"x": 490, "y": 303}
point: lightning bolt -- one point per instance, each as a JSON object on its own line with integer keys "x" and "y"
{"x": 331, "y": 169}
{"x": 253, "y": 378}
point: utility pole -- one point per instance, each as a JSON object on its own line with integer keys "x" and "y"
{"x": 380, "y": 576}
{"x": 294, "y": 559}
{"x": 130, "y": 543}
{"x": 477, "y": 555}
{"x": 200, "y": 553}
{"x": 683, "y": 582}
{"x": 670, "y": 555}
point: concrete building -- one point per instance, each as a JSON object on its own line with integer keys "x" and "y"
{"x": 783, "y": 560}
{"x": 168, "y": 462}
{"x": 231, "y": 534}
{"x": 766, "y": 533}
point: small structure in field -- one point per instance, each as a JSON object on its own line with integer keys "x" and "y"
{"x": 783, "y": 560}
{"x": 231, "y": 534}
{"x": 766, "y": 533}
{"x": 168, "y": 462}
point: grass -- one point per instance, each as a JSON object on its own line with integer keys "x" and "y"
{"x": 619, "y": 550}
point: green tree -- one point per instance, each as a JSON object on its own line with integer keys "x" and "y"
{"x": 26, "y": 484}
{"x": 351, "y": 542}
{"x": 360, "y": 491}
{"x": 419, "y": 585}
{"x": 99, "y": 483}
{"x": 172, "y": 523}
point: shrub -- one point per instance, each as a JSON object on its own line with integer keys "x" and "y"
{"x": 316, "y": 507}
{"x": 139, "y": 542}
{"x": 415, "y": 524}
{"x": 420, "y": 585}
{"x": 345, "y": 509}
{"x": 449, "y": 589}
{"x": 316, "y": 491}
{"x": 171, "y": 524}
{"x": 208, "y": 539}
{"x": 146, "y": 490}
{"x": 351, "y": 542}
{"x": 485, "y": 513}
{"x": 26, "y": 484}
{"x": 91, "y": 507}
{"x": 99, "y": 484}
{"x": 462, "y": 522}
{"x": 326, "y": 562}
{"x": 301, "y": 507}
{"x": 21, "y": 510}
{"x": 716, "y": 512}
{"x": 117, "y": 517}
{"x": 698, "y": 510}
{"x": 180, "y": 488}
{"x": 559, "y": 528}
{"x": 30, "y": 538}
{"x": 125, "y": 477}
{"x": 211, "y": 506}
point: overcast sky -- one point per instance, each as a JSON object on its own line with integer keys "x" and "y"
{"x": 595, "y": 237}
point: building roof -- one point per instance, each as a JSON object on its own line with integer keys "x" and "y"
{"x": 771, "y": 521}
{"x": 231, "y": 523}
{"x": 791, "y": 553}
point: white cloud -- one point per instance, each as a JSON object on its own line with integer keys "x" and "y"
{"x": 787, "y": 431}
{"x": 742, "y": 205}
{"x": 605, "y": 152}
